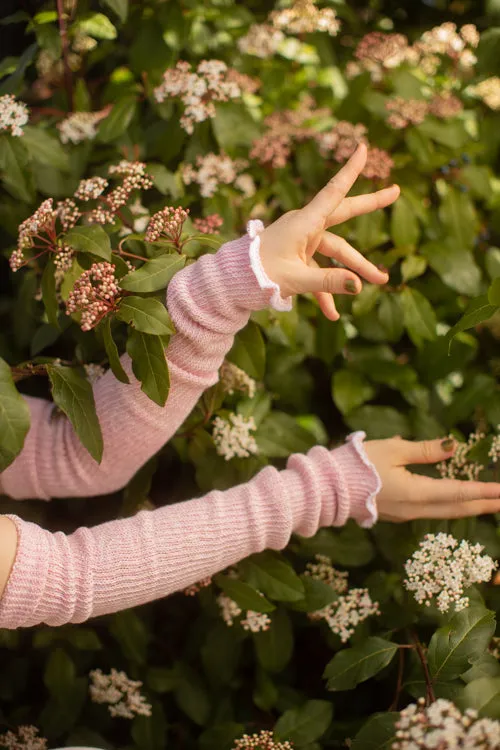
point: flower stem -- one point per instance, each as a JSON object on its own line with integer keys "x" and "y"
{"x": 63, "y": 33}
{"x": 428, "y": 680}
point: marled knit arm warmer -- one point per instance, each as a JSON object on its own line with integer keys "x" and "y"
{"x": 209, "y": 302}
{"x": 58, "y": 579}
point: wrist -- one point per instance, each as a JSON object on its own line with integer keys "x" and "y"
{"x": 265, "y": 267}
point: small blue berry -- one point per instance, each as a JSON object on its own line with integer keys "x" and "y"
{"x": 444, "y": 170}
{"x": 453, "y": 163}
{"x": 466, "y": 159}
{"x": 463, "y": 188}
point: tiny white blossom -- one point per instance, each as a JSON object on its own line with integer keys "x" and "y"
{"x": 229, "y": 609}
{"x": 79, "y": 126}
{"x": 232, "y": 437}
{"x": 256, "y": 621}
{"x": 120, "y": 692}
{"x": 443, "y": 568}
{"x": 234, "y": 379}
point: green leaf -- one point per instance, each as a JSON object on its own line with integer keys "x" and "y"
{"x": 145, "y": 314}
{"x": 378, "y": 733}
{"x": 354, "y": 665}
{"x": 73, "y": 394}
{"x": 350, "y": 390}
{"x": 483, "y": 695}
{"x": 317, "y": 595}
{"x": 487, "y": 51}
{"x": 459, "y": 219}
{"x": 14, "y": 418}
{"x": 454, "y": 265}
{"x": 12, "y": 161}
{"x": 149, "y": 365}
{"x": 477, "y": 311}
{"x": 461, "y": 642}
{"x": 305, "y": 723}
{"x": 150, "y": 732}
{"x": 494, "y": 292}
{"x": 279, "y": 435}
{"x": 132, "y": 635}
{"x": 379, "y": 422}
{"x": 492, "y": 262}
{"x": 234, "y": 126}
{"x": 118, "y": 120}
{"x": 274, "y": 647}
{"x": 243, "y": 594}
{"x": 45, "y": 148}
{"x": 59, "y": 672}
{"x": 93, "y": 240}
{"x": 418, "y": 315}
{"x": 412, "y": 267}
{"x": 49, "y": 296}
{"x": 249, "y": 352}
{"x": 270, "y": 573}
{"x": 220, "y": 737}
{"x": 112, "y": 351}
{"x": 153, "y": 275}
{"x": 191, "y": 695}
{"x": 405, "y": 229}
{"x": 120, "y": 7}
{"x": 98, "y": 26}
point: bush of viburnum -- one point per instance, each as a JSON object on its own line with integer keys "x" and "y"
{"x": 134, "y": 138}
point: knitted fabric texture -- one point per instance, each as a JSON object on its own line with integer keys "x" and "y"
{"x": 58, "y": 578}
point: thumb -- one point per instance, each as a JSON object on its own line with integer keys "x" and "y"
{"x": 427, "y": 451}
{"x": 332, "y": 280}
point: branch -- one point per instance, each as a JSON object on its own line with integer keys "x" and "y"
{"x": 428, "y": 680}
{"x": 63, "y": 33}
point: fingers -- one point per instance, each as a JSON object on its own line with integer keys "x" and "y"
{"x": 363, "y": 204}
{"x": 453, "y": 491}
{"x": 425, "y": 451}
{"x": 460, "y": 510}
{"x": 327, "y": 305}
{"x": 329, "y": 280}
{"x": 337, "y": 247}
{"x": 327, "y": 200}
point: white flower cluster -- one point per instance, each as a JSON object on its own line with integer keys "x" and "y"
{"x": 79, "y": 126}
{"x": 494, "y": 450}
{"x": 459, "y": 466}
{"x": 198, "y": 91}
{"x": 353, "y": 605}
{"x": 120, "y": 692}
{"x": 253, "y": 621}
{"x": 303, "y": 17}
{"x": 261, "y": 40}
{"x": 235, "y": 379}
{"x": 13, "y": 114}
{"x": 443, "y": 568}
{"x": 93, "y": 372}
{"x": 444, "y": 727}
{"x": 212, "y": 170}
{"x": 232, "y": 436}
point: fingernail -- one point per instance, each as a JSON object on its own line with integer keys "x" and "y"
{"x": 350, "y": 286}
{"x": 447, "y": 444}
{"x": 382, "y": 268}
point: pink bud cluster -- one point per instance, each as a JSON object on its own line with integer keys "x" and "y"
{"x": 195, "y": 588}
{"x": 133, "y": 177}
{"x": 209, "y": 224}
{"x": 261, "y": 40}
{"x": 94, "y": 295}
{"x": 378, "y": 52}
{"x": 68, "y": 213}
{"x": 264, "y": 740}
{"x": 25, "y": 738}
{"x": 168, "y": 223}
{"x": 406, "y": 112}
{"x": 212, "y": 82}
{"x": 283, "y": 130}
{"x": 31, "y": 229}
{"x": 343, "y": 140}
{"x": 489, "y": 92}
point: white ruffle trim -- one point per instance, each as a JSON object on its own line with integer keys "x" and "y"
{"x": 277, "y": 302}
{"x": 356, "y": 438}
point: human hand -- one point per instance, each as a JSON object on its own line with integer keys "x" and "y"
{"x": 289, "y": 244}
{"x": 405, "y": 496}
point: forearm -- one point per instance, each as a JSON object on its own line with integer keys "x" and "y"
{"x": 209, "y": 302}
{"x": 58, "y": 579}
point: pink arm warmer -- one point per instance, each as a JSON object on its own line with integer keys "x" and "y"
{"x": 60, "y": 578}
